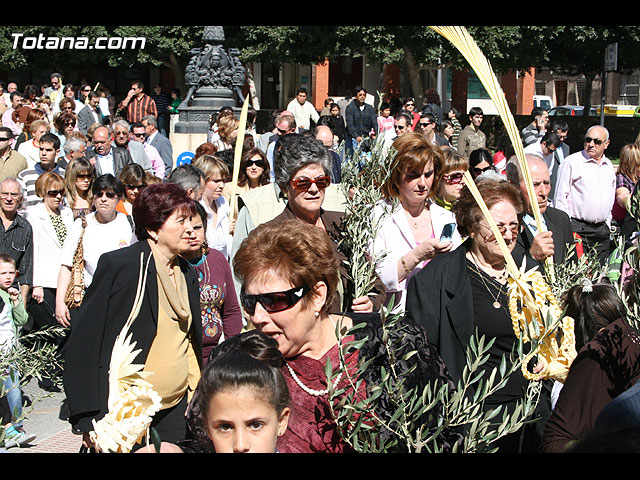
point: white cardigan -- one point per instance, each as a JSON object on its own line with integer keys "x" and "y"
{"x": 46, "y": 246}
{"x": 395, "y": 238}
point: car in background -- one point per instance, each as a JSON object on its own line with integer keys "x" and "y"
{"x": 571, "y": 111}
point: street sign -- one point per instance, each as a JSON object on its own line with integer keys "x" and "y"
{"x": 611, "y": 58}
{"x": 184, "y": 157}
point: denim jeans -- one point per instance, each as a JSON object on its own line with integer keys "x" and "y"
{"x": 14, "y": 395}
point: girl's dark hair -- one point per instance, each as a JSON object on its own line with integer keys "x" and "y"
{"x": 249, "y": 359}
{"x": 593, "y": 310}
{"x": 107, "y": 182}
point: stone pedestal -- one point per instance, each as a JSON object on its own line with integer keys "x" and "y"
{"x": 194, "y": 116}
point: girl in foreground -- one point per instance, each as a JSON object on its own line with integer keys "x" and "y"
{"x": 241, "y": 402}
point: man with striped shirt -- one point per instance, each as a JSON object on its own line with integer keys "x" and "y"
{"x": 49, "y": 151}
{"x": 138, "y": 104}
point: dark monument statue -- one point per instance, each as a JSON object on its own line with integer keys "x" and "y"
{"x": 214, "y": 78}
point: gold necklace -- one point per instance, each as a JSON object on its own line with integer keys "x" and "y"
{"x": 496, "y": 304}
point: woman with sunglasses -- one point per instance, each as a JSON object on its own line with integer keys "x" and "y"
{"x": 302, "y": 171}
{"x": 134, "y": 179}
{"x": 480, "y": 161}
{"x": 50, "y": 221}
{"x": 452, "y": 178}
{"x": 289, "y": 275}
{"x": 167, "y": 329}
{"x": 220, "y": 312}
{"x": 254, "y": 170}
{"x": 413, "y": 233}
{"x": 64, "y": 124}
{"x": 102, "y": 230}
{"x": 465, "y": 290}
{"x": 78, "y": 182}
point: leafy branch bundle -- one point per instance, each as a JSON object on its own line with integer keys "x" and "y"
{"x": 363, "y": 174}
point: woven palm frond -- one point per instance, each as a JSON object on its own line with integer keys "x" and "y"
{"x": 132, "y": 401}
{"x": 462, "y": 40}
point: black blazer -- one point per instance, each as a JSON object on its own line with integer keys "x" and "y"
{"x": 439, "y": 298}
{"x": 558, "y": 223}
{"x": 98, "y": 321}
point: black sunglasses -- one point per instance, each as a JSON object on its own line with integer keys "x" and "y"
{"x": 273, "y": 302}
{"x": 257, "y": 163}
{"x": 597, "y": 141}
{"x": 482, "y": 170}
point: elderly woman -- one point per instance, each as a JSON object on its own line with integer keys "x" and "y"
{"x": 302, "y": 171}
{"x": 465, "y": 290}
{"x": 218, "y": 227}
{"x": 417, "y": 229}
{"x": 50, "y": 221}
{"x": 220, "y": 312}
{"x": 452, "y": 178}
{"x": 99, "y": 232}
{"x": 167, "y": 329}
{"x": 289, "y": 274}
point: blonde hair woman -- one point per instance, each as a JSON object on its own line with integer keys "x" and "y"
{"x": 78, "y": 180}
{"x": 219, "y": 229}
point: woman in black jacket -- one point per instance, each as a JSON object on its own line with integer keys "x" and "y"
{"x": 167, "y": 330}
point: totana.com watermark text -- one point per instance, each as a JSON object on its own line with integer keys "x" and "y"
{"x": 42, "y": 42}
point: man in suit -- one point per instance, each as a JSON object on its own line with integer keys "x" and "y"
{"x": 105, "y": 157}
{"x": 159, "y": 141}
{"x": 90, "y": 113}
{"x": 559, "y": 235}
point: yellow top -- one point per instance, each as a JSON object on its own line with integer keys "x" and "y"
{"x": 171, "y": 356}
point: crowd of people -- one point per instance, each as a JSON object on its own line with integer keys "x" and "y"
{"x": 247, "y": 298}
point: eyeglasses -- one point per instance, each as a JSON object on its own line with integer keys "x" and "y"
{"x": 596, "y": 141}
{"x": 139, "y": 135}
{"x": 478, "y": 171}
{"x": 408, "y": 105}
{"x": 454, "y": 178}
{"x": 512, "y": 227}
{"x": 84, "y": 176}
{"x": 399, "y": 127}
{"x": 423, "y": 124}
{"x": 111, "y": 195}
{"x": 303, "y": 184}
{"x": 69, "y": 124}
{"x": 257, "y": 163}
{"x": 133, "y": 187}
{"x": 3, "y": 139}
{"x": 55, "y": 193}
{"x": 273, "y": 302}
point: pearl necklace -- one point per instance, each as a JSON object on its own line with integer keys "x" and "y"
{"x": 310, "y": 391}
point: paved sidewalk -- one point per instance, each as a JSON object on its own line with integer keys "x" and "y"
{"x": 47, "y": 418}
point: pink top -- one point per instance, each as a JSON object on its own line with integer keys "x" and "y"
{"x": 586, "y": 189}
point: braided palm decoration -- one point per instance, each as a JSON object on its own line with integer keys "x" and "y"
{"x": 132, "y": 401}
{"x": 533, "y": 308}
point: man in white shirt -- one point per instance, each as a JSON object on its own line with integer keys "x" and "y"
{"x": 105, "y": 157}
{"x": 585, "y": 190}
{"x": 545, "y": 148}
{"x": 303, "y": 111}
